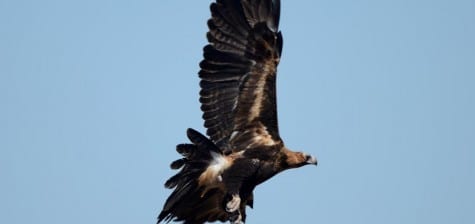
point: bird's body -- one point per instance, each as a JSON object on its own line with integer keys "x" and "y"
{"x": 238, "y": 98}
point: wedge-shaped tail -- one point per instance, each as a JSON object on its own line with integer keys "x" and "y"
{"x": 190, "y": 202}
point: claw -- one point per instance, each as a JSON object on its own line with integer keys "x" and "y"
{"x": 236, "y": 218}
{"x": 233, "y": 204}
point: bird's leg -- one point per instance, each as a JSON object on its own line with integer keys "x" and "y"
{"x": 235, "y": 218}
{"x": 233, "y": 179}
{"x": 233, "y": 185}
{"x": 234, "y": 203}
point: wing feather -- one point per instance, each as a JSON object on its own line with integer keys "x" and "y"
{"x": 238, "y": 74}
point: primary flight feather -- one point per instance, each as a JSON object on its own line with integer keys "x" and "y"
{"x": 218, "y": 174}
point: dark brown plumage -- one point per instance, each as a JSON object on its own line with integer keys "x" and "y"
{"x": 238, "y": 98}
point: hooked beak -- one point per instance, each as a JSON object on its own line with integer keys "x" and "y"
{"x": 312, "y": 160}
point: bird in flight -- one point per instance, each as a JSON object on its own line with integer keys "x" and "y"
{"x": 217, "y": 175}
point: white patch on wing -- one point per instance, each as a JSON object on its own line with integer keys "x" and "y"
{"x": 218, "y": 164}
{"x": 233, "y": 135}
{"x": 259, "y": 91}
{"x": 213, "y": 172}
{"x": 260, "y": 140}
{"x": 261, "y": 137}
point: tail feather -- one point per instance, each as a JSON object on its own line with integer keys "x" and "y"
{"x": 202, "y": 143}
{"x": 187, "y": 202}
{"x": 177, "y": 164}
{"x": 186, "y": 150}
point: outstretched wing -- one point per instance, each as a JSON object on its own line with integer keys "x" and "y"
{"x": 238, "y": 74}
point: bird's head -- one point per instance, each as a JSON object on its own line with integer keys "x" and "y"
{"x": 309, "y": 159}
{"x": 298, "y": 159}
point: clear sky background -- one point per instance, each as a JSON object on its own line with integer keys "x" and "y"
{"x": 95, "y": 95}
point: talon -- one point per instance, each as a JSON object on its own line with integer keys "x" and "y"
{"x": 236, "y": 218}
{"x": 233, "y": 204}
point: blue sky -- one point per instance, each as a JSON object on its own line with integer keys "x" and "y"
{"x": 96, "y": 94}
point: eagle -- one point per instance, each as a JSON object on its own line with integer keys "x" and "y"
{"x": 217, "y": 174}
